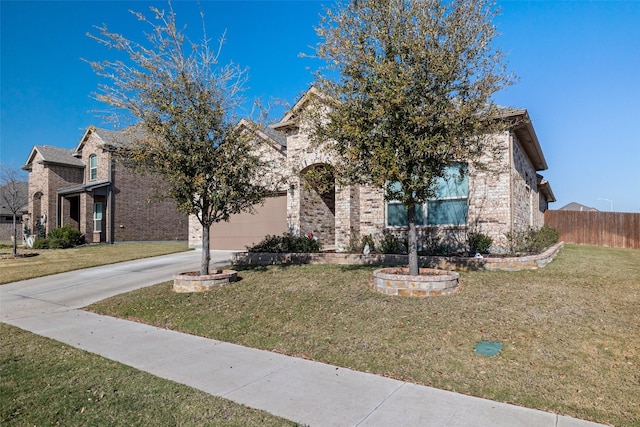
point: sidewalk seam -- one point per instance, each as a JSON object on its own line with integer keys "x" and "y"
{"x": 381, "y": 403}
{"x": 268, "y": 374}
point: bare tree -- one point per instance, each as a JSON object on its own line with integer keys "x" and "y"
{"x": 409, "y": 85}
{"x": 184, "y": 103}
{"x": 14, "y": 196}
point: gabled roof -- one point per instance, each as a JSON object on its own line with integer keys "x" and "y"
{"x": 275, "y": 138}
{"x": 109, "y": 138}
{"x": 573, "y": 206}
{"x": 53, "y": 155}
{"x": 522, "y": 127}
{"x": 290, "y": 118}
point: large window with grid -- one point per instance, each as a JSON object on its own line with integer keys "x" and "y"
{"x": 449, "y": 207}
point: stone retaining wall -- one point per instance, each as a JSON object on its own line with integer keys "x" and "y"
{"x": 429, "y": 282}
{"x": 529, "y": 262}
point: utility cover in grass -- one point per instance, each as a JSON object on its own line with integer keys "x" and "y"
{"x": 488, "y": 348}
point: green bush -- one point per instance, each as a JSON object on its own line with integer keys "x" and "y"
{"x": 541, "y": 239}
{"x": 60, "y": 238}
{"x": 479, "y": 243}
{"x": 40, "y": 243}
{"x": 390, "y": 244}
{"x": 432, "y": 244}
{"x": 287, "y": 243}
{"x": 367, "y": 239}
{"x": 532, "y": 241}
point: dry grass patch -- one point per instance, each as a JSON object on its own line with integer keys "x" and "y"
{"x": 53, "y": 261}
{"x": 571, "y": 331}
{"x": 45, "y": 382}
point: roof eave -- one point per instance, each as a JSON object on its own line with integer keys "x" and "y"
{"x": 526, "y": 134}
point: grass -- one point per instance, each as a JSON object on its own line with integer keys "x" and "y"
{"x": 571, "y": 331}
{"x": 53, "y": 261}
{"x": 44, "y": 382}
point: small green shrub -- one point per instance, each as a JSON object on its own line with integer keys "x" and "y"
{"x": 40, "y": 243}
{"x": 479, "y": 243}
{"x": 390, "y": 244}
{"x": 65, "y": 237}
{"x": 541, "y": 239}
{"x": 287, "y": 243}
{"x": 532, "y": 241}
{"x": 40, "y": 230}
{"x": 432, "y": 244}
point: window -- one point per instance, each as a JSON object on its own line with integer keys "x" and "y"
{"x": 397, "y": 215}
{"x": 97, "y": 217}
{"x": 449, "y": 207}
{"x": 93, "y": 167}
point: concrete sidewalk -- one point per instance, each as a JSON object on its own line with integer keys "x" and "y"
{"x": 308, "y": 392}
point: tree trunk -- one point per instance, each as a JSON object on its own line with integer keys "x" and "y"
{"x": 206, "y": 256}
{"x": 15, "y": 236}
{"x": 412, "y": 241}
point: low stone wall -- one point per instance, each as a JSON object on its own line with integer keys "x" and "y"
{"x": 529, "y": 262}
{"x": 194, "y": 282}
{"x": 429, "y": 282}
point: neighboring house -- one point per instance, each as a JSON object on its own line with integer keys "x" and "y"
{"x": 510, "y": 196}
{"x": 88, "y": 189}
{"x": 6, "y": 214}
{"x": 573, "y": 206}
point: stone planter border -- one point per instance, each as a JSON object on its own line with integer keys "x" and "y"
{"x": 430, "y": 282}
{"x": 192, "y": 282}
{"x": 529, "y": 262}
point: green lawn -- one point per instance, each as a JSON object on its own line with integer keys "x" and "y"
{"x": 43, "y": 262}
{"x": 44, "y": 382}
{"x": 570, "y": 331}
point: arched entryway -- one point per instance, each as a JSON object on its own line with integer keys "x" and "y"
{"x": 318, "y": 203}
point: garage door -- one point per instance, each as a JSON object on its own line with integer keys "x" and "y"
{"x": 246, "y": 229}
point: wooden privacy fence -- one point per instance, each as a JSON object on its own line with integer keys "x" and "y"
{"x": 613, "y": 229}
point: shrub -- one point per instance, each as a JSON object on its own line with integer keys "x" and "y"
{"x": 479, "y": 243}
{"x": 40, "y": 243}
{"x": 390, "y": 244}
{"x": 532, "y": 240}
{"x": 39, "y": 230}
{"x": 367, "y": 239}
{"x": 432, "y": 244}
{"x": 287, "y": 243}
{"x": 541, "y": 239}
{"x": 357, "y": 243}
{"x": 65, "y": 237}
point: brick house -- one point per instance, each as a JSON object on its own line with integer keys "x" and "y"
{"x": 6, "y": 214}
{"x": 510, "y": 196}
{"x": 103, "y": 198}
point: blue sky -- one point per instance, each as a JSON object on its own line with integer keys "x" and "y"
{"x": 578, "y": 64}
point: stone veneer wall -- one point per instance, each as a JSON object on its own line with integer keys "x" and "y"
{"x": 524, "y": 186}
{"x": 489, "y": 192}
